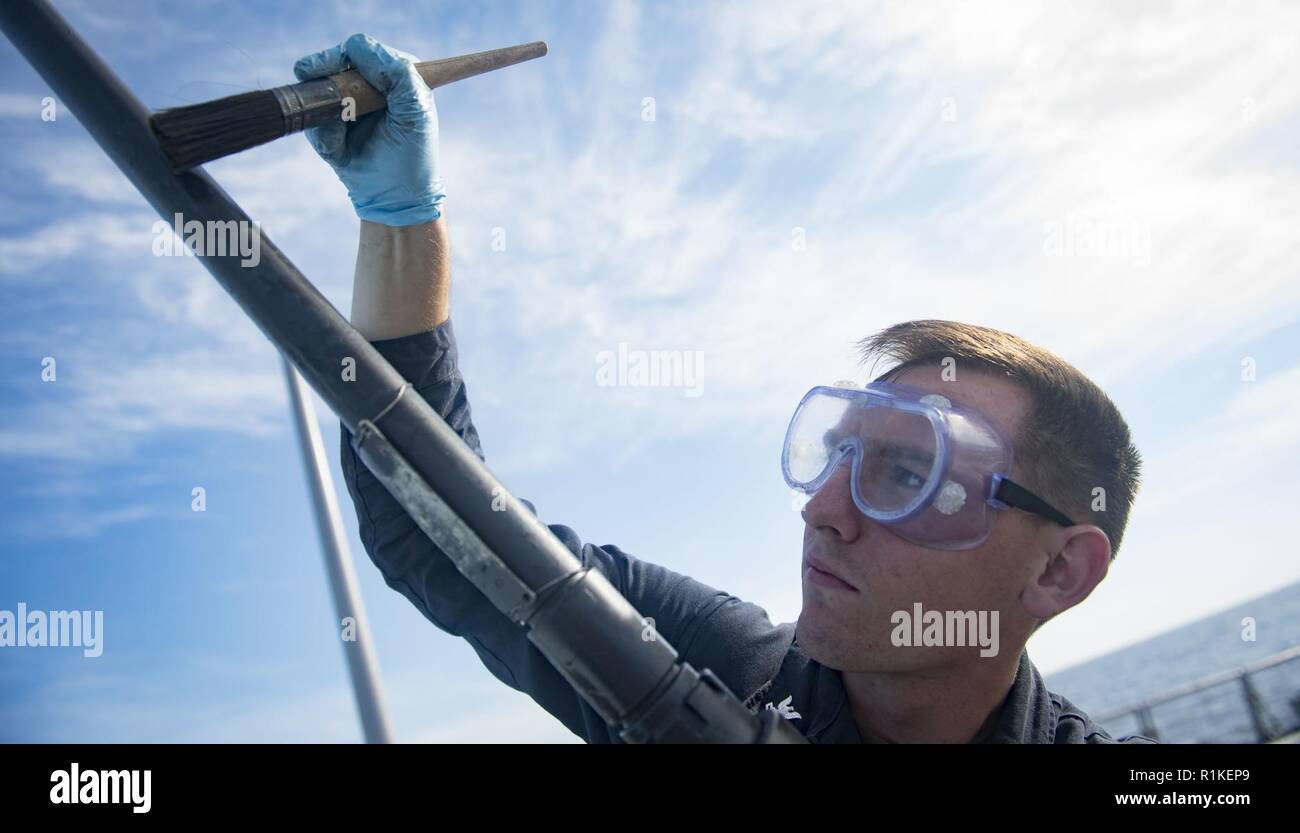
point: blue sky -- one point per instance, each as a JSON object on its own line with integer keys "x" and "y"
{"x": 922, "y": 152}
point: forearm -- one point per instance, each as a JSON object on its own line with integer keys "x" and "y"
{"x": 710, "y": 628}
{"x": 403, "y": 279}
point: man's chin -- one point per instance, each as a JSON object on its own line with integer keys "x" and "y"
{"x": 819, "y": 641}
{"x": 829, "y": 643}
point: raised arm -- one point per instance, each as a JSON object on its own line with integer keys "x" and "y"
{"x": 400, "y": 303}
{"x": 389, "y": 162}
{"x": 403, "y": 279}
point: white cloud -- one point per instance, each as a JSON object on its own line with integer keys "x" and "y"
{"x": 80, "y": 169}
{"x": 96, "y": 236}
{"x": 21, "y": 105}
{"x": 609, "y": 240}
{"x": 676, "y": 234}
{"x": 117, "y": 402}
{"x": 86, "y": 522}
{"x": 1127, "y": 122}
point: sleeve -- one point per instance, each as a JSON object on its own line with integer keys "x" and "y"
{"x": 708, "y": 628}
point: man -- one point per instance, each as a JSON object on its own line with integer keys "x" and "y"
{"x": 931, "y": 550}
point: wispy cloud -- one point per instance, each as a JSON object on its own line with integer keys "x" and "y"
{"x": 87, "y": 522}
{"x": 1125, "y": 123}
{"x": 116, "y": 403}
{"x": 610, "y": 238}
{"x": 812, "y": 172}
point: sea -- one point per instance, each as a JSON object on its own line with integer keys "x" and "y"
{"x": 1208, "y": 646}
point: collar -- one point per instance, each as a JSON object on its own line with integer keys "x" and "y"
{"x": 813, "y": 697}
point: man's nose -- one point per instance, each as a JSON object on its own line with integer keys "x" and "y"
{"x": 832, "y": 507}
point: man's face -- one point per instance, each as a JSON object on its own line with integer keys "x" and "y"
{"x": 846, "y": 624}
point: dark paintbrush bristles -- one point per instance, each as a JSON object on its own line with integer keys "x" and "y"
{"x": 199, "y": 133}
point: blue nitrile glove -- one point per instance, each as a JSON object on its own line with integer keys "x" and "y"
{"x": 388, "y": 160}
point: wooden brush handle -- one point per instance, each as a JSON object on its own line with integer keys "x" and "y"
{"x": 437, "y": 73}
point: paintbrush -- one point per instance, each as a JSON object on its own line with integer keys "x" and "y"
{"x": 199, "y": 133}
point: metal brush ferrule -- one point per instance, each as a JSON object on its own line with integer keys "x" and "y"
{"x": 308, "y": 104}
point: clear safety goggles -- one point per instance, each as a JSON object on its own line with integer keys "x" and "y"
{"x": 934, "y": 473}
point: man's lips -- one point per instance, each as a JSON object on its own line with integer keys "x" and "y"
{"x": 816, "y": 572}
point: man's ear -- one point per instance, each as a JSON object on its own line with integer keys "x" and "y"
{"x": 1077, "y": 560}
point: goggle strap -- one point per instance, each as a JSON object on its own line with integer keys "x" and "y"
{"x": 1010, "y": 493}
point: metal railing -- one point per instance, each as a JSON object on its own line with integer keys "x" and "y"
{"x": 1264, "y": 724}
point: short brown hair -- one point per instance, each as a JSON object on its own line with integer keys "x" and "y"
{"x": 1072, "y": 441}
